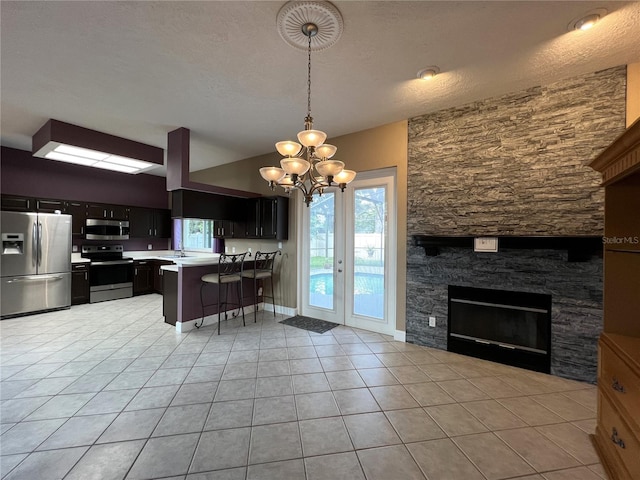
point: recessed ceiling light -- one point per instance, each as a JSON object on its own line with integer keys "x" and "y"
{"x": 428, "y": 73}
{"x": 587, "y": 21}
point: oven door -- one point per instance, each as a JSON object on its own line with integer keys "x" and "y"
{"x": 110, "y": 280}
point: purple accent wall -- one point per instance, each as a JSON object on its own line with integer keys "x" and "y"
{"x": 23, "y": 174}
{"x": 178, "y": 168}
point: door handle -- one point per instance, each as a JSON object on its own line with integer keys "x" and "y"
{"x": 34, "y": 241}
{"x": 339, "y": 271}
{"x": 34, "y": 278}
{"x": 39, "y": 243}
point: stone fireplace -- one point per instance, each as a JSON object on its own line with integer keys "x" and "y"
{"x": 574, "y": 289}
{"x": 514, "y": 167}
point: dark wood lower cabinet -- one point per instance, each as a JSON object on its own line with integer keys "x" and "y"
{"x": 170, "y": 297}
{"x": 158, "y": 273}
{"x": 79, "y": 283}
{"x": 142, "y": 277}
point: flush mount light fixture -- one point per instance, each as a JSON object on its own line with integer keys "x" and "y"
{"x": 307, "y": 166}
{"x": 587, "y": 21}
{"x": 428, "y": 73}
{"x": 69, "y": 143}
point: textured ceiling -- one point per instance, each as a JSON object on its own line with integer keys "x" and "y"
{"x": 141, "y": 69}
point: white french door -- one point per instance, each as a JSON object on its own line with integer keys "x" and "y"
{"x": 348, "y": 250}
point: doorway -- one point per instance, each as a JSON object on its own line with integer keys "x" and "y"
{"x": 348, "y": 268}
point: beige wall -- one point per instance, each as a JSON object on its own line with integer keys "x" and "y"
{"x": 376, "y": 148}
{"x": 633, "y": 92}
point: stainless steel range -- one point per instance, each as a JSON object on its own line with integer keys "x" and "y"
{"x": 110, "y": 274}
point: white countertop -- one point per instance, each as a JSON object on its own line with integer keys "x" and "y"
{"x": 191, "y": 259}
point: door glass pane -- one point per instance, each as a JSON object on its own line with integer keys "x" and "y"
{"x": 321, "y": 248}
{"x": 370, "y": 222}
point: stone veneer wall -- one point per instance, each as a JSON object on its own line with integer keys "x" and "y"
{"x": 515, "y": 165}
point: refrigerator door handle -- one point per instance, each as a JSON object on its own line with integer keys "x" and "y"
{"x": 39, "y": 244}
{"x": 34, "y": 248}
{"x": 34, "y": 278}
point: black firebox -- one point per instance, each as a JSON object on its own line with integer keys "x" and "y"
{"x": 504, "y": 326}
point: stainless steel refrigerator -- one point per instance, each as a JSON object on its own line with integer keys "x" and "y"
{"x": 36, "y": 262}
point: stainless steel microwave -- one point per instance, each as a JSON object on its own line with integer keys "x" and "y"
{"x": 100, "y": 229}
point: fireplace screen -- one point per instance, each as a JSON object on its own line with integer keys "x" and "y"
{"x": 499, "y": 319}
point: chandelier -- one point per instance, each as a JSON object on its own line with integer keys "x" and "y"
{"x": 308, "y": 165}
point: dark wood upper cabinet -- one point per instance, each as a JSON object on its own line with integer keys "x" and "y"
{"x": 111, "y": 212}
{"x": 51, "y": 206}
{"x": 268, "y": 218}
{"x": 14, "y": 203}
{"x": 78, "y": 212}
{"x": 149, "y": 223}
{"x": 208, "y": 206}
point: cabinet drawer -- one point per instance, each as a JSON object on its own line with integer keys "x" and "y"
{"x": 621, "y": 383}
{"x": 79, "y": 266}
{"x": 617, "y": 437}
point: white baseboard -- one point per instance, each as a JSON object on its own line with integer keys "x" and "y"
{"x": 288, "y": 311}
{"x": 182, "y": 327}
{"x": 400, "y": 336}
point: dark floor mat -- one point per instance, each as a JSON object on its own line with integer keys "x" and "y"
{"x": 310, "y": 324}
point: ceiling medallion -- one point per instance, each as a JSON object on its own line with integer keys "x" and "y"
{"x": 322, "y": 14}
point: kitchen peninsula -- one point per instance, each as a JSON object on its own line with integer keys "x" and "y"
{"x": 181, "y": 298}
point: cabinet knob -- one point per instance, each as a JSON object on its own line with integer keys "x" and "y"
{"x": 617, "y": 386}
{"x": 615, "y": 439}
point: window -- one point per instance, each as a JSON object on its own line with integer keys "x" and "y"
{"x": 197, "y": 234}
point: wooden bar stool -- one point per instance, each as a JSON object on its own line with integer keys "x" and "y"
{"x": 262, "y": 269}
{"x": 229, "y": 272}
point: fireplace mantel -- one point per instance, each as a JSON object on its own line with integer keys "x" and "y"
{"x": 579, "y": 248}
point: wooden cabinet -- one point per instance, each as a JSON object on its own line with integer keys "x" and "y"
{"x": 79, "y": 283}
{"x": 15, "y": 203}
{"x": 618, "y": 430}
{"x": 617, "y": 436}
{"x": 170, "y": 297}
{"x": 158, "y": 275}
{"x": 149, "y": 223}
{"x": 207, "y": 206}
{"x": 50, "y": 205}
{"x": 229, "y": 228}
{"x": 111, "y": 212}
{"x": 268, "y": 218}
{"x": 78, "y": 212}
{"x": 142, "y": 277}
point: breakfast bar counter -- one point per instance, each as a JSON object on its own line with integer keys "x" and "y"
{"x": 181, "y": 299}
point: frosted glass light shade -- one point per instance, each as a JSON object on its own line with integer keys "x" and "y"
{"x": 345, "y": 176}
{"x": 311, "y": 138}
{"x": 272, "y": 174}
{"x": 325, "y": 151}
{"x": 286, "y": 182}
{"x": 288, "y": 148}
{"x": 295, "y": 166}
{"x": 329, "y": 168}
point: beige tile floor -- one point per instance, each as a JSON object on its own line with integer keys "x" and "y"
{"x": 109, "y": 391}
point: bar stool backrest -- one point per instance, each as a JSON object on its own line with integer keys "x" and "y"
{"x": 263, "y": 261}
{"x": 231, "y": 264}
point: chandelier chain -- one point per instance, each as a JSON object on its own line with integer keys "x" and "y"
{"x": 309, "y": 79}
